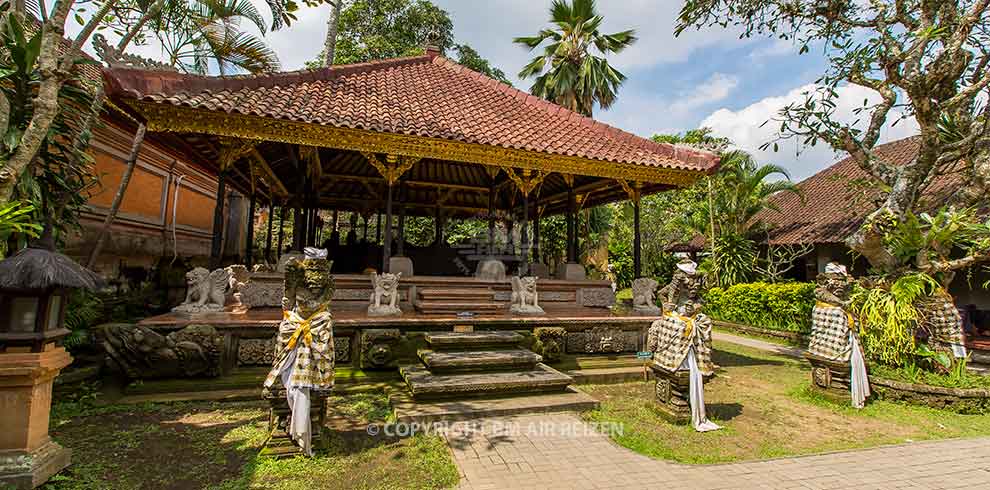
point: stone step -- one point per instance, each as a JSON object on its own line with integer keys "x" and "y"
{"x": 457, "y": 294}
{"x": 426, "y": 385}
{"x": 472, "y": 340}
{"x": 479, "y": 359}
{"x": 455, "y": 307}
{"x": 409, "y": 411}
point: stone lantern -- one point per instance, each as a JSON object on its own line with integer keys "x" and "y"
{"x": 34, "y": 288}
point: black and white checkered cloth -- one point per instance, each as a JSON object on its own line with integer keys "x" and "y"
{"x": 943, "y": 321}
{"x": 830, "y": 327}
{"x": 670, "y": 338}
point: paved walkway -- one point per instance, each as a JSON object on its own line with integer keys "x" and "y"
{"x": 562, "y": 451}
{"x": 784, "y": 350}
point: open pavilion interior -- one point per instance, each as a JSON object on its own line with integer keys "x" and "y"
{"x": 414, "y": 136}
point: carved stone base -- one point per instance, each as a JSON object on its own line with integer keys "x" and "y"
{"x": 401, "y": 265}
{"x": 673, "y": 392}
{"x": 647, "y": 310}
{"x": 378, "y": 348}
{"x": 279, "y": 443}
{"x": 384, "y": 310}
{"x": 526, "y": 310}
{"x": 23, "y": 470}
{"x": 194, "y": 309}
{"x": 830, "y": 378}
{"x": 571, "y": 272}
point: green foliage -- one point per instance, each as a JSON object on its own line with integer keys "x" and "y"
{"x": 620, "y": 259}
{"x": 568, "y": 72}
{"x": 732, "y": 261}
{"x": 926, "y": 239}
{"x": 889, "y": 316}
{"x": 15, "y": 217}
{"x": 467, "y": 56}
{"x": 83, "y": 312}
{"x": 380, "y": 29}
{"x": 785, "y": 306}
{"x": 958, "y": 377}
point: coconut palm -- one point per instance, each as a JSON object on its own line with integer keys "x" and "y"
{"x": 576, "y": 78}
{"x": 203, "y": 34}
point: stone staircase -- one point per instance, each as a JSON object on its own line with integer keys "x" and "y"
{"x": 478, "y": 374}
{"x": 448, "y": 301}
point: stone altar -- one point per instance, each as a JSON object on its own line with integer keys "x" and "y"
{"x": 525, "y": 299}
{"x": 385, "y": 295}
{"x": 490, "y": 270}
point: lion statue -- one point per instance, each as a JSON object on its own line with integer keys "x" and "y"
{"x": 644, "y": 297}
{"x": 525, "y": 300}
{"x": 385, "y": 295}
{"x": 205, "y": 291}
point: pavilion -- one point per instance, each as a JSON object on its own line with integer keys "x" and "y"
{"x": 413, "y": 136}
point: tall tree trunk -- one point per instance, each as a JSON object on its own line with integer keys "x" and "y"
{"x": 333, "y": 26}
{"x": 125, "y": 180}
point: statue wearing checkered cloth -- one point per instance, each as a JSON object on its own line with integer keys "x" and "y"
{"x": 682, "y": 349}
{"x": 303, "y": 368}
{"x": 837, "y": 361}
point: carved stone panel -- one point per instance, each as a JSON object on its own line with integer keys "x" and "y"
{"x": 603, "y": 340}
{"x": 596, "y": 297}
{"x": 262, "y": 294}
{"x": 256, "y": 352}
{"x": 342, "y": 350}
{"x": 378, "y": 348}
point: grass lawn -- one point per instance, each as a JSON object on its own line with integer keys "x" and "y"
{"x": 767, "y": 410}
{"x": 215, "y": 446}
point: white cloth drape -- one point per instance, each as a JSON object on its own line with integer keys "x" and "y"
{"x": 859, "y": 382}
{"x": 697, "y": 395}
{"x": 298, "y": 426}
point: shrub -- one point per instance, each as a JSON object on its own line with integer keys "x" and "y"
{"x": 782, "y": 306}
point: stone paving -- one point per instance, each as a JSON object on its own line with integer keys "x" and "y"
{"x": 561, "y": 451}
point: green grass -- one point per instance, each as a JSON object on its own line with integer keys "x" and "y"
{"x": 213, "y": 445}
{"x": 920, "y": 376}
{"x": 624, "y": 295}
{"x": 767, "y": 409}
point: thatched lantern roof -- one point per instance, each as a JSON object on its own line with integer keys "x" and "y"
{"x": 39, "y": 267}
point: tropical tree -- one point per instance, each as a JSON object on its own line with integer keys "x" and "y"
{"x": 569, "y": 72}
{"x": 923, "y": 60}
{"x": 333, "y": 27}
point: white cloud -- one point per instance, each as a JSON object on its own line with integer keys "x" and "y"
{"x": 716, "y": 88}
{"x": 746, "y": 129}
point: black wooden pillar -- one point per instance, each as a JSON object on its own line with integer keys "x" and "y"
{"x": 249, "y": 260}
{"x": 401, "y": 242}
{"x": 536, "y": 239}
{"x": 637, "y": 242}
{"x": 298, "y": 227}
{"x": 387, "y": 248}
{"x": 437, "y": 226}
{"x": 281, "y": 232}
{"x": 510, "y": 240}
{"x": 217, "y": 241}
{"x": 571, "y": 227}
{"x": 268, "y": 238}
{"x": 491, "y": 217}
{"x": 364, "y": 234}
{"x": 524, "y": 235}
{"x": 378, "y": 230}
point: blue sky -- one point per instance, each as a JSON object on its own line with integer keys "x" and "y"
{"x": 710, "y": 77}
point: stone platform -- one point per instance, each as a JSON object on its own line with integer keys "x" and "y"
{"x": 461, "y": 365}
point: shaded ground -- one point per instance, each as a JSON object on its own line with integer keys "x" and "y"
{"x": 210, "y": 445}
{"x": 767, "y": 411}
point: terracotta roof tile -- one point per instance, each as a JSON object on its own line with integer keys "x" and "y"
{"x": 428, "y": 96}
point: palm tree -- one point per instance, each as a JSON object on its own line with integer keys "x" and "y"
{"x": 202, "y": 34}
{"x": 577, "y": 78}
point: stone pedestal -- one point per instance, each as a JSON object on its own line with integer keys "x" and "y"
{"x": 830, "y": 378}
{"x": 571, "y": 272}
{"x": 647, "y": 311}
{"x": 28, "y": 456}
{"x": 673, "y": 392}
{"x": 401, "y": 265}
{"x": 279, "y": 444}
{"x": 490, "y": 270}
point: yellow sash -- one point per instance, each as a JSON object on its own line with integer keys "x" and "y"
{"x": 689, "y": 321}
{"x": 303, "y": 330}
{"x": 851, "y": 325}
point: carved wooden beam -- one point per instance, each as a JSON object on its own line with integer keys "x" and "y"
{"x": 633, "y": 191}
{"x": 274, "y": 183}
{"x": 527, "y": 181}
{"x": 393, "y": 167}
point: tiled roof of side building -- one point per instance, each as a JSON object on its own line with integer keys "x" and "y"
{"x": 835, "y": 201}
{"x": 429, "y": 96}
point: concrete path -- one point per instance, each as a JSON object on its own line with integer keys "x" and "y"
{"x": 561, "y": 451}
{"x": 784, "y": 350}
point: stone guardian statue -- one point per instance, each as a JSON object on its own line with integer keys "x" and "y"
{"x": 384, "y": 295}
{"x": 205, "y": 292}
{"x": 682, "y": 345}
{"x": 837, "y": 364}
{"x": 525, "y": 300}
{"x": 302, "y": 374}
{"x": 644, "y": 297}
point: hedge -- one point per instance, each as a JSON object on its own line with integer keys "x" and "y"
{"x": 783, "y": 306}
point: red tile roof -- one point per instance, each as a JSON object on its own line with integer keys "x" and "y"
{"x": 838, "y": 199}
{"x": 428, "y": 96}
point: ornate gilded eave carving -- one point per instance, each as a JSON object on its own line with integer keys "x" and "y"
{"x": 632, "y": 191}
{"x": 167, "y": 118}
{"x": 393, "y": 167}
{"x": 526, "y": 182}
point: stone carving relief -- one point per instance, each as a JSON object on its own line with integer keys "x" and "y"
{"x": 550, "y": 342}
{"x": 603, "y": 340}
{"x": 596, "y": 297}
{"x": 525, "y": 299}
{"x": 384, "y": 295}
{"x": 205, "y": 291}
{"x": 256, "y": 352}
{"x": 142, "y": 353}
{"x": 378, "y": 348}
